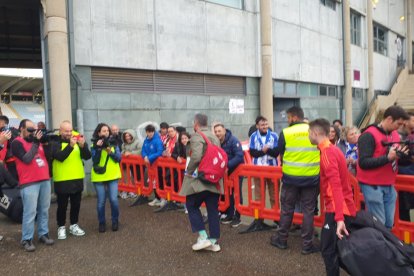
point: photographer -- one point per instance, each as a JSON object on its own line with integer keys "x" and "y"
{"x": 68, "y": 173}
{"x": 7, "y": 135}
{"x": 377, "y": 164}
{"x": 105, "y": 174}
{"x": 33, "y": 171}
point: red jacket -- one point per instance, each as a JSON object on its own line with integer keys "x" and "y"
{"x": 336, "y": 190}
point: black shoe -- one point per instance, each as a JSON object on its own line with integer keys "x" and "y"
{"x": 102, "y": 227}
{"x": 235, "y": 222}
{"x": 46, "y": 240}
{"x": 275, "y": 241}
{"x": 226, "y": 220}
{"x": 310, "y": 250}
{"x": 114, "y": 226}
{"x": 28, "y": 246}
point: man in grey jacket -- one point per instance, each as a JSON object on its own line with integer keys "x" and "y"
{"x": 198, "y": 192}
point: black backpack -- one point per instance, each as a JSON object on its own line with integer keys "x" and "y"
{"x": 371, "y": 249}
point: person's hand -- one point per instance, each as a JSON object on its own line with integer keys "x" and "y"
{"x": 99, "y": 142}
{"x": 73, "y": 141}
{"x": 81, "y": 141}
{"x": 38, "y": 134}
{"x": 392, "y": 154}
{"x": 4, "y": 136}
{"x": 146, "y": 160}
{"x": 179, "y": 159}
{"x": 127, "y": 153}
{"x": 108, "y": 150}
{"x": 405, "y": 150}
{"x": 341, "y": 229}
{"x": 265, "y": 148}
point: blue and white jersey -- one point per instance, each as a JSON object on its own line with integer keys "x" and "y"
{"x": 257, "y": 142}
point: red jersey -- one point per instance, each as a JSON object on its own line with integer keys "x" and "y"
{"x": 335, "y": 188}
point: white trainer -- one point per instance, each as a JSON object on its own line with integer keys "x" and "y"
{"x": 155, "y": 202}
{"x": 201, "y": 244}
{"x": 75, "y": 230}
{"x": 61, "y": 233}
{"x": 163, "y": 202}
{"x": 214, "y": 247}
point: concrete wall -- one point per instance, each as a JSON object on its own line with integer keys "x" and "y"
{"x": 179, "y": 35}
{"x": 307, "y": 39}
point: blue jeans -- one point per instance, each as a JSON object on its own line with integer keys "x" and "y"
{"x": 103, "y": 190}
{"x": 36, "y": 201}
{"x": 380, "y": 201}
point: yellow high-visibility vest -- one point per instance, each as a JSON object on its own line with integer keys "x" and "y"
{"x": 300, "y": 158}
{"x": 113, "y": 170}
{"x": 71, "y": 168}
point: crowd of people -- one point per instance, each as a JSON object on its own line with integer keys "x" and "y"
{"x": 315, "y": 156}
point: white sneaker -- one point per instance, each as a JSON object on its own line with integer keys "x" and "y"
{"x": 75, "y": 230}
{"x": 201, "y": 244}
{"x": 61, "y": 233}
{"x": 163, "y": 202}
{"x": 132, "y": 195}
{"x": 124, "y": 195}
{"x": 155, "y": 202}
{"x": 214, "y": 247}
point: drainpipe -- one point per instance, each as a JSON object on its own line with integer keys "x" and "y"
{"x": 73, "y": 73}
{"x": 409, "y": 37}
{"x": 347, "y": 55}
{"x": 370, "y": 38}
{"x": 266, "y": 81}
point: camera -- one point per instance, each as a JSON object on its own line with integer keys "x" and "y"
{"x": 401, "y": 154}
{"x": 106, "y": 141}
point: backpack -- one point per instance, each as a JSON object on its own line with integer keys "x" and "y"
{"x": 371, "y": 249}
{"x": 213, "y": 164}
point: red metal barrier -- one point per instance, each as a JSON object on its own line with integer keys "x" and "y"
{"x": 257, "y": 208}
{"x": 129, "y": 182}
{"x": 403, "y": 229}
{"x": 167, "y": 165}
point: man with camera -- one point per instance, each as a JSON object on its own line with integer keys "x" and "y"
{"x": 34, "y": 181}
{"x": 379, "y": 151}
{"x": 67, "y": 154}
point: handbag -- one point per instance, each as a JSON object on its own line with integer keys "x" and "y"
{"x": 101, "y": 170}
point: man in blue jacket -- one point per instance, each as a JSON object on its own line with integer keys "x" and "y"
{"x": 151, "y": 150}
{"x": 232, "y": 147}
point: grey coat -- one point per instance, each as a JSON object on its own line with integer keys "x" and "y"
{"x": 198, "y": 147}
{"x": 135, "y": 146}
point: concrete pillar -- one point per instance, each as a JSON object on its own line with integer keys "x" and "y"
{"x": 409, "y": 36}
{"x": 370, "y": 39}
{"x": 55, "y": 30}
{"x": 348, "y": 69}
{"x": 266, "y": 82}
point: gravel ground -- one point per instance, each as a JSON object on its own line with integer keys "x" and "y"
{"x": 149, "y": 244}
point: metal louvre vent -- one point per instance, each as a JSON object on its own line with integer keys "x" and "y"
{"x": 168, "y": 82}
{"x": 118, "y": 80}
{"x": 224, "y": 85}
{"x": 125, "y": 80}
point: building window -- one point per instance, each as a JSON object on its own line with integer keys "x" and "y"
{"x": 239, "y": 4}
{"x": 380, "y": 40}
{"x": 284, "y": 89}
{"x": 329, "y": 3}
{"x": 355, "y": 29}
{"x": 327, "y": 91}
{"x": 357, "y": 93}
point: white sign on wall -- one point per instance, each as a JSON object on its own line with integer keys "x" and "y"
{"x": 236, "y": 106}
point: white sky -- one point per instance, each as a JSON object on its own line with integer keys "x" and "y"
{"x": 36, "y": 73}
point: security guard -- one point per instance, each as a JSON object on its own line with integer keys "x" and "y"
{"x": 300, "y": 167}
{"x": 68, "y": 174}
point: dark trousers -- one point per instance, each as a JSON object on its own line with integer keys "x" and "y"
{"x": 328, "y": 244}
{"x": 193, "y": 203}
{"x": 62, "y": 202}
{"x": 231, "y": 211}
{"x": 307, "y": 198}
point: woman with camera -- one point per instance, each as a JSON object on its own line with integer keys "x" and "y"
{"x": 105, "y": 174}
